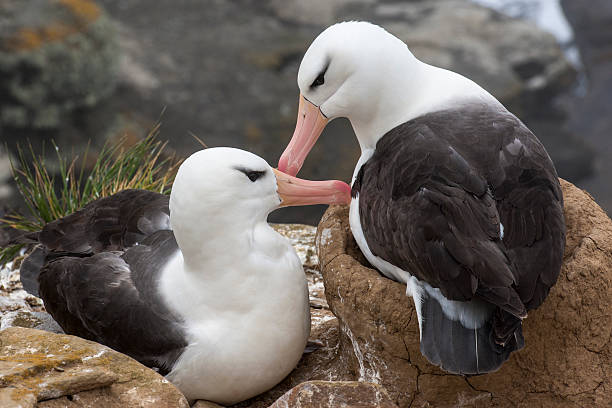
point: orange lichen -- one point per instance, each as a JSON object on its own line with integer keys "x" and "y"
{"x": 40, "y": 365}
{"x": 20, "y": 394}
{"x": 84, "y": 9}
{"x": 29, "y": 38}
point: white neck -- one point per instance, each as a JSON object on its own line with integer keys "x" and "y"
{"x": 404, "y": 97}
{"x": 232, "y": 273}
{"x": 227, "y": 239}
{"x": 227, "y": 305}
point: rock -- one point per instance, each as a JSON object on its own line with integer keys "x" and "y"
{"x": 14, "y": 398}
{"x": 58, "y": 370}
{"x": 506, "y": 56}
{"x": 30, "y": 319}
{"x": 321, "y": 13}
{"x": 17, "y": 307}
{"x": 205, "y": 404}
{"x": 58, "y": 64}
{"x": 55, "y": 56}
{"x": 567, "y": 360}
{"x": 318, "y": 394}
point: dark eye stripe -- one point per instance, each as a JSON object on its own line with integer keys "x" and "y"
{"x": 320, "y": 79}
{"x": 253, "y": 175}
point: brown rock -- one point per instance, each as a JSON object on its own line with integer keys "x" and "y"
{"x": 66, "y": 371}
{"x": 320, "y": 394}
{"x": 15, "y": 398}
{"x": 205, "y": 404}
{"x": 567, "y": 360}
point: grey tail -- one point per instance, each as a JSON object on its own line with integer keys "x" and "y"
{"x": 460, "y": 350}
{"x": 30, "y": 269}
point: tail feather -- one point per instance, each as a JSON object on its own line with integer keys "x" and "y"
{"x": 460, "y": 350}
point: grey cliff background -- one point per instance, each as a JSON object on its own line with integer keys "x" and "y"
{"x": 78, "y": 70}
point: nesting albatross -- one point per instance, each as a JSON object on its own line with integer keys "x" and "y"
{"x": 200, "y": 286}
{"x": 452, "y": 195}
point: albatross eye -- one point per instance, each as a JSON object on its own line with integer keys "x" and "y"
{"x": 254, "y": 175}
{"x": 320, "y": 80}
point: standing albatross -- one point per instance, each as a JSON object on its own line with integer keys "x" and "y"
{"x": 199, "y": 285}
{"x": 452, "y": 195}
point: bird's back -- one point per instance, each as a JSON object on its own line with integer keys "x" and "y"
{"x": 97, "y": 272}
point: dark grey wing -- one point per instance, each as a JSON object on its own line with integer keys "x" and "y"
{"x": 534, "y": 236}
{"x": 431, "y": 200}
{"x": 108, "y": 224}
{"x": 112, "y": 223}
{"x": 113, "y": 298}
{"x": 525, "y": 187}
{"x": 424, "y": 209}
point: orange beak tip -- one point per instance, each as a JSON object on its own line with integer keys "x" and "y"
{"x": 345, "y": 190}
{"x": 295, "y": 191}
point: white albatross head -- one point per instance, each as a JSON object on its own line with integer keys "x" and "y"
{"x": 360, "y": 71}
{"x": 355, "y": 70}
{"x": 226, "y": 180}
{"x": 223, "y": 191}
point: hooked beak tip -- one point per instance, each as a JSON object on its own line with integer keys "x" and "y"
{"x": 345, "y": 192}
{"x": 295, "y": 191}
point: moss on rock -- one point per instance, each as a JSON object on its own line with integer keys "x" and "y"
{"x": 55, "y": 56}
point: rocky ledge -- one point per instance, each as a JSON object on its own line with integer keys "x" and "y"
{"x": 567, "y": 360}
{"x": 36, "y": 371}
{"x": 41, "y": 369}
{"x": 365, "y": 353}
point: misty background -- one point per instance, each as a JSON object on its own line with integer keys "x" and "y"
{"x": 225, "y": 70}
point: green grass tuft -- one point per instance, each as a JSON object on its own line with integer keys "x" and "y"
{"x": 9, "y": 253}
{"x": 116, "y": 168}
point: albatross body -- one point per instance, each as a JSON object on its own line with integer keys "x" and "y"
{"x": 199, "y": 285}
{"x": 452, "y": 195}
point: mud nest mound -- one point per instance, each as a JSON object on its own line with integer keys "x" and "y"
{"x": 567, "y": 360}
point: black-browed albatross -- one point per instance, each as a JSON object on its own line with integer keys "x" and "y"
{"x": 199, "y": 285}
{"x": 452, "y": 195}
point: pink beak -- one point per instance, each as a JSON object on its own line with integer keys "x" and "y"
{"x": 310, "y": 124}
{"x": 295, "y": 191}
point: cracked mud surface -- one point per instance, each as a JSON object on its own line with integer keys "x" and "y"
{"x": 567, "y": 360}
